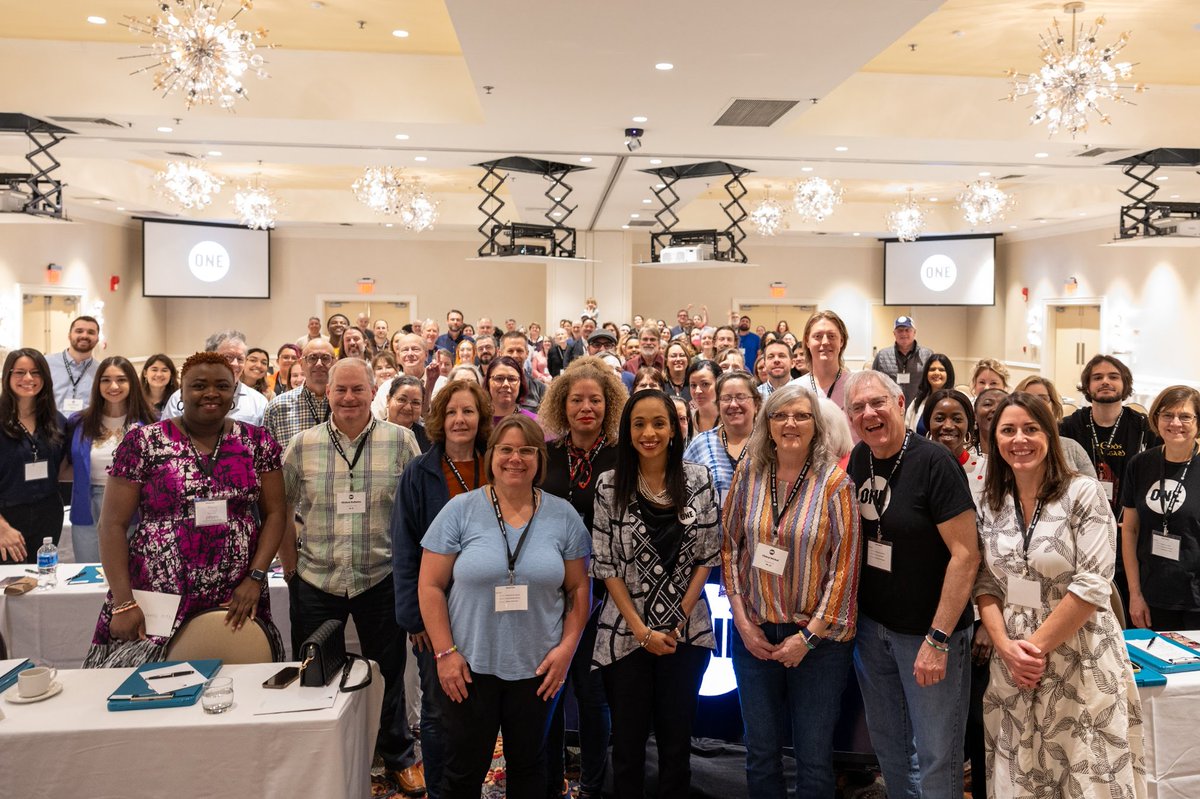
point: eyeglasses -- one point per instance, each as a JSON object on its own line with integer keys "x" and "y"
{"x": 316, "y": 358}
{"x": 234, "y": 358}
{"x": 507, "y": 451}
{"x": 735, "y": 399}
{"x": 1184, "y": 419}
{"x": 794, "y": 418}
{"x": 21, "y": 374}
{"x": 405, "y": 402}
{"x": 876, "y": 403}
{"x": 503, "y": 379}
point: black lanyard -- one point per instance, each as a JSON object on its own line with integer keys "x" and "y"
{"x": 1097, "y": 457}
{"x": 71, "y": 375}
{"x": 207, "y": 467}
{"x": 817, "y": 388}
{"x": 902, "y": 359}
{"x": 312, "y": 408}
{"x": 1026, "y": 532}
{"x": 511, "y": 555}
{"x": 878, "y": 499}
{"x": 1168, "y": 505}
{"x": 32, "y": 439}
{"x": 458, "y": 476}
{"x": 357, "y": 453}
{"x": 777, "y": 512}
{"x": 732, "y": 460}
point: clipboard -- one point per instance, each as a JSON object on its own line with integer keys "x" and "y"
{"x": 136, "y": 694}
{"x": 1162, "y": 654}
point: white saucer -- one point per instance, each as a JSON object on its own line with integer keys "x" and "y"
{"x": 13, "y": 694}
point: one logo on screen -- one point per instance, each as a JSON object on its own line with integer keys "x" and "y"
{"x": 938, "y": 272}
{"x": 718, "y": 677}
{"x": 209, "y": 261}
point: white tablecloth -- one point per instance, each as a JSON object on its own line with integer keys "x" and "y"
{"x": 72, "y": 745}
{"x": 55, "y": 627}
{"x": 1169, "y": 714}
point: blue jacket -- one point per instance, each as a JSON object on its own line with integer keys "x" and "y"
{"x": 81, "y": 466}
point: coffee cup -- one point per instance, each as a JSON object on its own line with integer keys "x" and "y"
{"x": 35, "y": 682}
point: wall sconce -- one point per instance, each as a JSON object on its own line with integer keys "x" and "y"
{"x": 53, "y": 274}
{"x": 1071, "y": 285}
{"x": 366, "y": 285}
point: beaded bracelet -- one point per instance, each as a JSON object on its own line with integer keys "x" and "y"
{"x": 646, "y": 640}
{"x": 124, "y": 606}
{"x": 936, "y": 645}
{"x": 446, "y": 652}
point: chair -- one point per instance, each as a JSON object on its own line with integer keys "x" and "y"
{"x": 1139, "y": 407}
{"x": 205, "y": 635}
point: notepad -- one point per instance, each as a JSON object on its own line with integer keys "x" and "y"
{"x": 159, "y": 609}
{"x": 1165, "y": 650}
{"x": 138, "y": 693}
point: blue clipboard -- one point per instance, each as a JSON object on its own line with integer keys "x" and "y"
{"x": 9, "y": 678}
{"x": 1174, "y": 658}
{"x": 136, "y": 694}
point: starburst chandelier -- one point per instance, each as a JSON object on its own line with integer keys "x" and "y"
{"x": 815, "y": 198}
{"x": 257, "y": 206}
{"x": 1073, "y": 79}
{"x": 767, "y": 216}
{"x": 198, "y": 55}
{"x": 983, "y": 202}
{"x": 379, "y": 189}
{"x": 188, "y": 184}
{"x": 907, "y": 220}
{"x": 418, "y": 210}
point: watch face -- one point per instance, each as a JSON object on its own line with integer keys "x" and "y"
{"x": 939, "y": 636}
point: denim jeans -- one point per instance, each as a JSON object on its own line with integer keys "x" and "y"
{"x": 808, "y": 698}
{"x": 433, "y": 747}
{"x": 917, "y": 732}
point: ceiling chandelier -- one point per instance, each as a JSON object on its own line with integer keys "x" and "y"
{"x": 188, "y": 184}
{"x": 379, "y": 189}
{"x": 198, "y": 55}
{"x": 418, "y": 211}
{"x": 257, "y": 206}
{"x": 1073, "y": 79}
{"x": 815, "y": 198}
{"x": 907, "y": 220}
{"x": 767, "y": 216}
{"x": 983, "y": 202}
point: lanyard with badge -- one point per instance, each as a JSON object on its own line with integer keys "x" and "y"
{"x": 1097, "y": 453}
{"x": 1162, "y": 543}
{"x": 903, "y": 377}
{"x": 350, "y": 501}
{"x": 209, "y": 512}
{"x": 773, "y": 557}
{"x": 317, "y": 417}
{"x": 879, "y": 551}
{"x": 74, "y": 403}
{"x": 725, "y": 443}
{"x": 1024, "y": 590}
{"x": 458, "y": 476}
{"x": 37, "y": 470}
{"x": 511, "y": 596}
{"x": 812, "y": 378}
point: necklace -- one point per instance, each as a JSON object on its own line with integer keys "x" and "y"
{"x": 657, "y": 497}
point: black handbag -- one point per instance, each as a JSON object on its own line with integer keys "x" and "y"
{"x": 323, "y": 653}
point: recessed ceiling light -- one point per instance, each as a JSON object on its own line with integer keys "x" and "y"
{"x": 165, "y": 129}
{"x": 806, "y": 169}
{"x": 647, "y": 202}
{"x": 402, "y": 137}
{"x": 120, "y": 208}
{"x": 215, "y": 153}
{"x": 1012, "y": 227}
{"x": 664, "y": 66}
{"x": 387, "y": 224}
{"x": 660, "y": 185}
{"x": 933, "y": 199}
{"x": 1041, "y": 155}
{"x": 1174, "y": 196}
{"x": 420, "y": 158}
{"x": 96, "y": 202}
{"x": 655, "y": 161}
{"x": 1083, "y": 213}
{"x": 1043, "y": 221}
{"x": 855, "y": 234}
{"x": 624, "y": 227}
{"x": 635, "y": 216}
{"x": 640, "y": 119}
{"x": 587, "y": 159}
{"x": 97, "y": 20}
{"x": 399, "y": 34}
{"x": 985, "y": 174}
{"x": 1165, "y": 177}
{"x": 556, "y": 213}
{"x": 841, "y": 148}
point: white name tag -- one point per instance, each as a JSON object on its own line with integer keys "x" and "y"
{"x": 1107, "y": 487}
{"x": 72, "y": 405}
{"x": 512, "y": 597}
{"x": 1023, "y": 592}
{"x": 879, "y": 555}
{"x": 211, "y": 512}
{"x": 351, "y": 502}
{"x": 38, "y": 470}
{"x": 770, "y": 559}
{"x": 1165, "y": 545}
{"x": 903, "y": 378}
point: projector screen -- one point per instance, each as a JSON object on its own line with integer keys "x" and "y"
{"x": 951, "y": 271}
{"x": 189, "y": 259}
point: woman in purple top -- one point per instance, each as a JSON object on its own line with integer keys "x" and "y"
{"x": 506, "y": 385}
{"x": 194, "y": 480}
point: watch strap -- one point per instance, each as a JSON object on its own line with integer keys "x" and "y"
{"x": 938, "y": 635}
{"x": 259, "y": 576}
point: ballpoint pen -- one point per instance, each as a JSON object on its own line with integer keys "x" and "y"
{"x": 172, "y": 674}
{"x": 142, "y": 697}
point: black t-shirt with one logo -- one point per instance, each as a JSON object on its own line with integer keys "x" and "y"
{"x": 1167, "y": 584}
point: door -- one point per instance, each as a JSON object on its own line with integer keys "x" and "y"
{"x": 770, "y": 315}
{"x": 396, "y": 314}
{"x": 1076, "y": 340}
{"x": 45, "y": 320}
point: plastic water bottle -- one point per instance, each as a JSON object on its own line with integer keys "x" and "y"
{"x": 47, "y": 565}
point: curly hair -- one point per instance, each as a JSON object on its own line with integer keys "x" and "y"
{"x": 202, "y": 358}
{"x": 552, "y": 413}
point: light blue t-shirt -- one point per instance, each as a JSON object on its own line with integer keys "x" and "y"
{"x": 508, "y": 645}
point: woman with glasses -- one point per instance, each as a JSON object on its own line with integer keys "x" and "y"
{"x": 1161, "y": 531}
{"x": 676, "y": 359}
{"x": 722, "y": 448}
{"x": 32, "y": 448}
{"x": 702, "y": 385}
{"x": 507, "y": 387}
{"x": 648, "y": 378}
{"x": 790, "y": 565}
{"x": 404, "y": 407}
{"x": 287, "y": 355}
{"x": 656, "y": 536}
{"x": 504, "y": 597}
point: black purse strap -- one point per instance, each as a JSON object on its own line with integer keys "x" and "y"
{"x": 350, "y": 658}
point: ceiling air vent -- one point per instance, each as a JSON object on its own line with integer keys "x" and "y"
{"x": 641, "y": 223}
{"x": 101, "y": 121}
{"x": 1098, "y": 151}
{"x": 181, "y": 154}
{"x": 754, "y": 113}
{"x": 1010, "y": 177}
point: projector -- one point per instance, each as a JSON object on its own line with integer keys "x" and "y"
{"x": 686, "y": 255}
{"x": 1189, "y": 228}
{"x": 520, "y": 249}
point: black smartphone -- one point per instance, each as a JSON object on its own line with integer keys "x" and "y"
{"x": 283, "y": 678}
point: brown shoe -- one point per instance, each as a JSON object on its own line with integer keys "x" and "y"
{"x": 411, "y": 780}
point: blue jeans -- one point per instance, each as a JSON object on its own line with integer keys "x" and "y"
{"x": 917, "y": 732}
{"x": 808, "y": 698}
{"x": 433, "y": 753}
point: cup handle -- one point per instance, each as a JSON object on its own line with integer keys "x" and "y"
{"x": 53, "y": 674}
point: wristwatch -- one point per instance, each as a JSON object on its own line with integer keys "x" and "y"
{"x": 258, "y": 576}
{"x": 810, "y": 638}
{"x": 938, "y": 636}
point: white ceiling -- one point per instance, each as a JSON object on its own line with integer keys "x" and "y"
{"x": 568, "y": 77}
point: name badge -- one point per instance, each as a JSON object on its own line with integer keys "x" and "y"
{"x": 903, "y": 378}
{"x": 211, "y": 512}
{"x": 1165, "y": 545}
{"x": 351, "y": 502}
{"x": 879, "y": 555}
{"x": 73, "y": 404}
{"x": 1023, "y": 592}
{"x": 1107, "y": 487}
{"x": 38, "y": 470}
{"x": 770, "y": 559}
{"x": 512, "y": 597}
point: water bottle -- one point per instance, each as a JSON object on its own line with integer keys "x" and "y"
{"x": 47, "y": 565}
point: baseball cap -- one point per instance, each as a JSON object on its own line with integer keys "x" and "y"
{"x": 903, "y": 321}
{"x": 601, "y": 336}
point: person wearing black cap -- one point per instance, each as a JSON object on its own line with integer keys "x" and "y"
{"x": 904, "y": 362}
{"x": 603, "y": 341}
